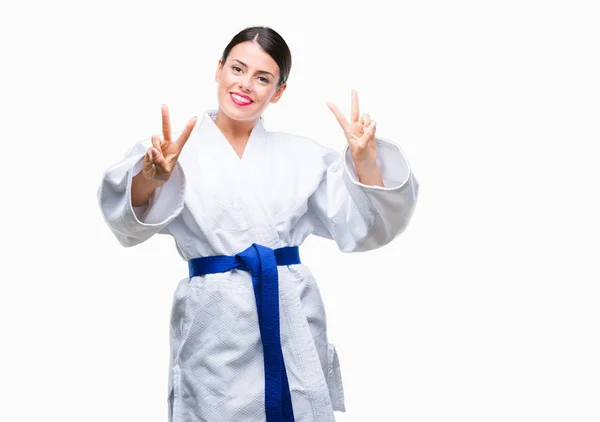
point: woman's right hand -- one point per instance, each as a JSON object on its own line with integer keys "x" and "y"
{"x": 161, "y": 157}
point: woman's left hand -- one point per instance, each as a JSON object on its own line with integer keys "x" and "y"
{"x": 360, "y": 134}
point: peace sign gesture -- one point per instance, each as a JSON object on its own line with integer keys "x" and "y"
{"x": 360, "y": 134}
{"x": 161, "y": 157}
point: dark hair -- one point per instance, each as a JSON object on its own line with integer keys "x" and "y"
{"x": 270, "y": 41}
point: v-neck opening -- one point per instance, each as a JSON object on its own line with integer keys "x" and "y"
{"x": 254, "y": 133}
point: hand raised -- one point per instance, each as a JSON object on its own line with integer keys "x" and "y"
{"x": 360, "y": 134}
{"x": 161, "y": 157}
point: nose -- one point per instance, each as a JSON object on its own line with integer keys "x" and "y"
{"x": 246, "y": 85}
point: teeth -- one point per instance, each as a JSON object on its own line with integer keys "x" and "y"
{"x": 237, "y": 97}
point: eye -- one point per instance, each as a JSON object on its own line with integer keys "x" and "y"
{"x": 236, "y": 68}
{"x": 264, "y": 80}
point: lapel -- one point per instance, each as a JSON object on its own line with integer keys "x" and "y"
{"x": 206, "y": 136}
{"x": 209, "y": 157}
{"x": 255, "y": 140}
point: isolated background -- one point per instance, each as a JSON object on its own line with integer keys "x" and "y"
{"x": 485, "y": 309}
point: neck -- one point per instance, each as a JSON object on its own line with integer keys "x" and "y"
{"x": 237, "y": 132}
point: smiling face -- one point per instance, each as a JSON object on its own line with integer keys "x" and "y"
{"x": 248, "y": 82}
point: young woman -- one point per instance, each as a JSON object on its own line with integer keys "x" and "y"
{"x": 248, "y": 326}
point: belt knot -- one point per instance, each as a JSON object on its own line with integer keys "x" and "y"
{"x": 261, "y": 262}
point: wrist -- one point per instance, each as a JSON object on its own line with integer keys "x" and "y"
{"x": 365, "y": 165}
{"x": 147, "y": 183}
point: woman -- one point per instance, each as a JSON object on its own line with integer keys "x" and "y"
{"x": 248, "y": 328}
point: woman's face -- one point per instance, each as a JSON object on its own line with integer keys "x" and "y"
{"x": 251, "y": 73}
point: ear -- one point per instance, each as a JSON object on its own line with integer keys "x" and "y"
{"x": 278, "y": 93}
{"x": 218, "y": 71}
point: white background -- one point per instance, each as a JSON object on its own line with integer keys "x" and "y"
{"x": 485, "y": 309}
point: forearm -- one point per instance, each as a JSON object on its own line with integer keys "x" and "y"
{"x": 141, "y": 190}
{"x": 369, "y": 174}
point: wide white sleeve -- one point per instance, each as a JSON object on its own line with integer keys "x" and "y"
{"x": 133, "y": 225}
{"x": 361, "y": 217}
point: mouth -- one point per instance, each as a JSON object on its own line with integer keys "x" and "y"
{"x": 240, "y": 100}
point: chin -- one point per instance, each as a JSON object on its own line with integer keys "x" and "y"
{"x": 234, "y": 112}
{"x": 238, "y": 114}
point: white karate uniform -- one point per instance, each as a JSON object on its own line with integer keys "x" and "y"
{"x": 284, "y": 188}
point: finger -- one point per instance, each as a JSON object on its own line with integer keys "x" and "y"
{"x": 148, "y": 160}
{"x": 370, "y": 130}
{"x": 354, "y": 113}
{"x": 338, "y": 115}
{"x": 187, "y": 131}
{"x": 161, "y": 163}
{"x": 166, "y": 123}
{"x": 366, "y": 120}
{"x": 156, "y": 142}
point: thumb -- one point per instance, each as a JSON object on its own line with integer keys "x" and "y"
{"x": 369, "y": 133}
{"x": 159, "y": 161}
{"x": 370, "y": 130}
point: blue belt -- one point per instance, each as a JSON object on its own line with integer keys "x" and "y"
{"x": 262, "y": 262}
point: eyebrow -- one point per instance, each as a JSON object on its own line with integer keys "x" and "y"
{"x": 258, "y": 71}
